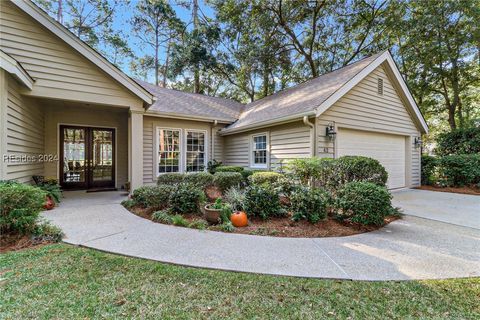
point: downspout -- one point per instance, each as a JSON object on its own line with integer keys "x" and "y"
{"x": 212, "y": 133}
{"x": 312, "y": 135}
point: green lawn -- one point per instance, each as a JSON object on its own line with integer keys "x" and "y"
{"x": 61, "y": 281}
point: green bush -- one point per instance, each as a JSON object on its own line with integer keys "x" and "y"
{"x": 170, "y": 178}
{"x": 363, "y": 202}
{"x": 309, "y": 204}
{"x": 459, "y": 170}
{"x": 262, "y": 201}
{"x": 235, "y": 197}
{"x": 20, "y": 205}
{"x": 459, "y": 141}
{"x": 225, "y": 180}
{"x": 429, "y": 165}
{"x": 357, "y": 169}
{"x": 229, "y": 169}
{"x": 212, "y": 166}
{"x": 268, "y": 177}
{"x": 46, "y": 232}
{"x": 247, "y": 173}
{"x": 162, "y": 216}
{"x": 308, "y": 170}
{"x": 52, "y": 190}
{"x": 198, "y": 224}
{"x": 227, "y": 227}
{"x": 200, "y": 179}
{"x": 128, "y": 203}
{"x": 180, "y": 221}
{"x": 152, "y": 196}
{"x": 186, "y": 198}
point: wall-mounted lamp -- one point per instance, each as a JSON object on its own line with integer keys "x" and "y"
{"x": 417, "y": 142}
{"x": 330, "y": 131}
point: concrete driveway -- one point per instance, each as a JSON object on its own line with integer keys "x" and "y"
{"x": 411, "y": 248}
{"x": 462, "y": 210}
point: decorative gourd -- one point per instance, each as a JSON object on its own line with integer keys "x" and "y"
{"x": 49, "y": 203}
{"x": 239, "y": 219}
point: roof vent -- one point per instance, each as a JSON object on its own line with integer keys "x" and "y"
{"x": 380, "y": 86}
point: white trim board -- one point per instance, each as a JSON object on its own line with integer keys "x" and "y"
{"x": 13, "y": 67}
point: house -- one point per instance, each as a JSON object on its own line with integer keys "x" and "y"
{"x": 66, "y": 112}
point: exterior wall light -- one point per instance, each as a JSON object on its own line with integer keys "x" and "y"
{"x": 417, "y": 142}
{"x": 330, "y": 131}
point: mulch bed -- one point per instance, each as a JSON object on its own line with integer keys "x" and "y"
{"x": 462, "y": 190}
{"x": 15, "y": 242}
{"x": 285, "y": 227}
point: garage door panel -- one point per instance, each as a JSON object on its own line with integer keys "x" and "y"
{"x": 388, "y": 149}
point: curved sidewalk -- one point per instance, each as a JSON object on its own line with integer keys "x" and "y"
{"x": 411, "y": 248}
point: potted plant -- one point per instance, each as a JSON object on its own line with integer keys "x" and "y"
{"x": 217, "y": 212}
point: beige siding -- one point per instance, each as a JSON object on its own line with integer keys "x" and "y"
{"x": 57, "y": 113}
{"x": 24, "y": 135}
{"x": 59, "y": 71}
{"x": 149, "y": 140}
{"x": 362, "y": 108}
{"x": 288, "y": 141}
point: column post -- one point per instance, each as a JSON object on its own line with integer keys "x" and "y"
{"x": 135, "y": 150}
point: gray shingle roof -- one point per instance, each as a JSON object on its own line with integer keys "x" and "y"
{"x": 191, "y": 104}
{"x": 302, "y": 98}
{"x": 299, "y": 99}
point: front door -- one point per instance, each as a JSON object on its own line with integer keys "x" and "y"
{"x": 88, "y": 157}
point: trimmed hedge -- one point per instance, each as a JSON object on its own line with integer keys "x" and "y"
{"x": 186, "y": 198}
{"x": 226, "y": 180}
{"x": 170, "y": 178}
{"x": 262, "y": 201}
{"x": 309, "y": 204}
{"x": 357, "y": 168}
{"x": 429, "y": 164}
{"x": 459, "y": 141}
{"x": 229, "y": 169}
{"x": 363, "y": 202}
{"x": 459, "y": 170}
{"x": 20, "y": 205}
{"x": 267, "y": 177}
{"x": 200, "y": 179}
{"x": 152, "y": 196}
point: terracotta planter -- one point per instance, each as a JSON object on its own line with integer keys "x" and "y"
{"x": 211, "y": 215}
{"x": 49, "y": 203}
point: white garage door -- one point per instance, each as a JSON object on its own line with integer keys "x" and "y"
{"x": 387, "y": 148}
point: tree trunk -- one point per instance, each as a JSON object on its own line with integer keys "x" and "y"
{"x": 60, "y": 12}
{"x": 266, "y": 78}
{"x": 165, "y": 69}
{"x": 196, "y": 71}
{"x": 156, "y": 58}
{"x": 451, "y": 117}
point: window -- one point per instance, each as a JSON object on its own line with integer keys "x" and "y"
{"x": 380, "y": 86}
{"x": 195, "y": 151}
{"x": 259, "y": 151}
{"x": 169, "y": 154}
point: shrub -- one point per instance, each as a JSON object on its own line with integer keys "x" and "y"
{"x": 309, "y": 203}
{"x": 363, "y": 202}
{"x": 180, "y": 221}
{"x": 229, "y": 169}
{"x": 357, "y": 168}
{"x": 247, "y": 173}
{"x": 227, "y": 227}
{"x": 170, "y": 178}
{"x": 186, "y": 198}
{"x": 235, "y": 197}
{"x": 429, "y": 165}
{"x": 268, "y": 177}
{"x": 459, "y": 170}
{"x": 46, "y": 232}
{"x": 200, "y": 179}
{"x": 128, "y": 203}
{"x": 212, "y": 166}
{"x": 307, "y": 170}
{"x": 20, "y": 205}
{"x": 152, "y": 196}
{"x": 262, "y": 201}
{"x": 198, "y": 224}
{"x": 285, "y": 185}
{"x": 52, "y": 190}
{"x": 459, "y": 141}
{"x": 162, "y": 216}
{"x": 225, "y": 180}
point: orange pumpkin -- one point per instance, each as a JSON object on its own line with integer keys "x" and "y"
{"x": 239, "y": 219}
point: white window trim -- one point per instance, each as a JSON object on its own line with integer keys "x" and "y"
{"x": 184, "y": 155}
{"x": 157, "y": 149}
{"x": 251, "y": 148}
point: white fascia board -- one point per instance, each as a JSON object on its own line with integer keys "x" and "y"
{"x": 12, "y": 66}
{"x": 60, "y": 31}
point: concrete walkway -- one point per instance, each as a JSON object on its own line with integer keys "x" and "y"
{"x": 411, "y": 248}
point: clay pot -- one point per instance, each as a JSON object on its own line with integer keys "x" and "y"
{"x": 49, "y": 203}
{"x": 211, "y": 215}
{"x": 239, "y": 219}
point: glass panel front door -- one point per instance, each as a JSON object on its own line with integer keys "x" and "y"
{"x": 88, "y": 159}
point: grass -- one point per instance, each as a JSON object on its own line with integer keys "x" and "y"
{"x": 61, "y": 281}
